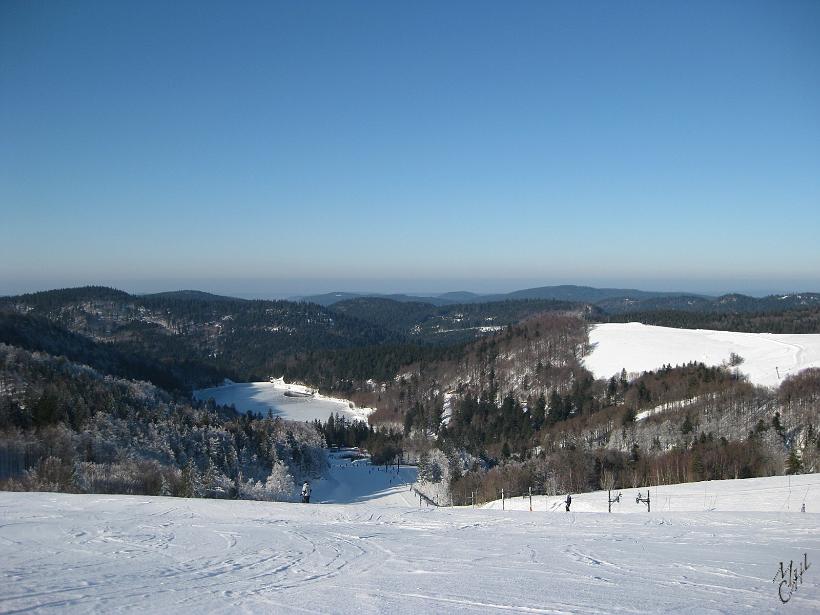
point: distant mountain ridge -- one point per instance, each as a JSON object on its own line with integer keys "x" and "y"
{"x": 564, "y": 292}
{"x": 581, "y": 294}
{"x": 606, "y": 300}
{"x": 190, "y": 295}
{"x": 460, "y": 296}
{"x": 328, "y": 299}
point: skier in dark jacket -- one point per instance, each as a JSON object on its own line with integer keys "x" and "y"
{"x": 569, "y": 501}
{"x": 306, "y": 493}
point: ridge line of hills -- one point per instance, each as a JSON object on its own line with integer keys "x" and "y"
{"x": 192, "y": 339}
{"x": 564, "y": 292}
{"x": 608, "y": 300}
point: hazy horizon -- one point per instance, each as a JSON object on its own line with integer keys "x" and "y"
{"x": 291, "y": 289}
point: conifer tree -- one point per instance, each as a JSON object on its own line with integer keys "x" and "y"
{"x": 793, "y": 463}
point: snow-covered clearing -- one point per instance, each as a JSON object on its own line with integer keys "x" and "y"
{"x": 768, "y": 357}
{"x": 92, "y": 553}
{"x": 672, "y": 405}
{"x": 264, "y": 396}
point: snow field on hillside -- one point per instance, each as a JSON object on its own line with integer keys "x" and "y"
{"x": 264, "y": 396}
{"x": 767, "y": 358}
{"x": 777, "y": 494}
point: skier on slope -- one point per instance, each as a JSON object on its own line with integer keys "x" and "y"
{"x": 569, "y": 501}
{"x": 306, "y": 493}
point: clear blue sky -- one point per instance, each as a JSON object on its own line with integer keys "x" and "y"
{"x": 280, "y": 148}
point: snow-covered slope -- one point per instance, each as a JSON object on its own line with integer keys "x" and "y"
{"x": 771, "y": 494}
{"x": 264, "y": 396}
{"x": 86, "y": 553}
{"x": 356, "y": 480}
{"x": 768, "y": 358}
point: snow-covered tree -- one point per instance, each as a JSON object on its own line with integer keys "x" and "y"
{"x": 279, "y": 484}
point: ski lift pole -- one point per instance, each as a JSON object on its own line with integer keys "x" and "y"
{"x": 645, "y": 500}
{"x": 502, "y": 498}
{"x": 612, "y": 500}
{"x": 530, "y": 499}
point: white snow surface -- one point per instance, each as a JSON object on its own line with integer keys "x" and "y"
{"x": 352, "y": 478}
{"x": 768, "y": 357}
{"x": 264, "y": 396}
{"x": 384, "y": 554}
{"x": 776, "y": 494}
{"x": 673, "y": 405}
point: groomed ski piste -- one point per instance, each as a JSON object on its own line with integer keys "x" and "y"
{"x": 768, "y": 358}
{"x": 292, "y": 402}
{"x": 372, "y": 548}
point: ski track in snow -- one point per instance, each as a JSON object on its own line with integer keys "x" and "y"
{"x": 768, "y": 358}
{"x": 382, "y": 553}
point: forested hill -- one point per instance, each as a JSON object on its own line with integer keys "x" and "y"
{"x": 428, "y": 323}
{"x": 792, "y": 313}
{"x": 198, "y": 339}
{"x": 520, "y": 410}
{"x": 432, "y": 319}
{"x": 725, "y": 304}
{"x": 804, "y": 320}
{"x": 67, "y": 427}
{"x": 38, "y": 334}
{"x": 188, "y": 339}
{"x": 191, "y": 339}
